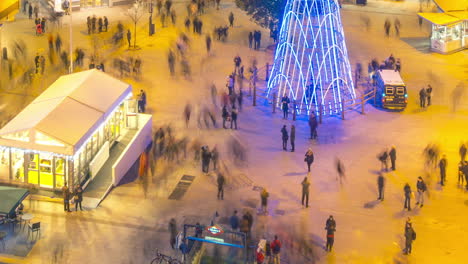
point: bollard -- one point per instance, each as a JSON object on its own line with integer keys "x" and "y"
{"x": 267, "y": 70}
{"x": 294, "y": 110}
{"x": 342, "y": 110}
{"x": 274, "y": 103}
{"x": 320, "y": 113}
{"x": 254, "y": 94}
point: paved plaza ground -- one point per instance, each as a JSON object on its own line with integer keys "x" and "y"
{"x": 132, "y": 221}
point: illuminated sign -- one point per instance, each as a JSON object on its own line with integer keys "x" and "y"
{"x": 214, "y": 230}
{"x": 214, "y": 239}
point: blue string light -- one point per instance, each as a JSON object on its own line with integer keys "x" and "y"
{"x": 312, "y": 53}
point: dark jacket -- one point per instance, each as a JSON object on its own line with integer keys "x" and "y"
{"x": 392, "y": 154}
{"x": 381, "y": 181}
{"x": 309, "y": 158}
{"x": 421, "y": 186}
{"x": 234, "y": 220}
{"x": 443, "y": 164}
{"x": 225, "y": 112}
{"x": 284, "y": 133}
{"x": 220, "y": 181}
{"x": 305, "y": 186}
{"x": 293, "y": 133}
{"x": 407, "y": 190}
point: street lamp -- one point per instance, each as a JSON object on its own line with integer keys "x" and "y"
{"x": 71, "y": 37}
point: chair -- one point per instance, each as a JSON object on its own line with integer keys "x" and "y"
{"x": 34, "y": 227}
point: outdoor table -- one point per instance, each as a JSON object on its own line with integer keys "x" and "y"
{"x": 26, "y": 218}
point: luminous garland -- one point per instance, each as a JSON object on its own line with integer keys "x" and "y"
{"x": 311, "y": 63}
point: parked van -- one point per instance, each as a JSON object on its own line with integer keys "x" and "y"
{"x": 391, "y": 90}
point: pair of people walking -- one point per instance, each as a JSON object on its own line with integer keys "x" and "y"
{"x": 285, "y": 137}
{"x": 68, "y": 197}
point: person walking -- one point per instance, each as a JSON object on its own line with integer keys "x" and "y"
{"x": 397, "y": 26}
{"x": 106, "y": 23}
{"x": 428, "y": 94}
{"x": 387, "y": 26}
{"x": 215, "y": 157}
{"x": 66, "y": 198}
{"x": 231, "y": 19}
{"x": 381, "y": 185}
{"x": 205, "y": 155}
{"x": 276, "y": 249}
{"x": 264, "y": 200}
{"x": 30, "y": 11}
{"x": 250, "y": 39}
{"x": 309, "y": 158}
{"x": 443, "y": 168}
{"x": 234, "y": 117}
{"x": 421, "y": 188}
{"x": 285, "y": 106}
{"x": 100, "y": 25}
{"x": 410, "y": 236}
{"x": 171, "y": 62}
{"x": 392, "y": 154}
{"x": 234, "y": 221}
{"x": 208, "y": 43}
{"x": 284, "y": 137}
{"x": 58, "y": 43}
{"x": 78, "y": 197}
{"x": 462, "y": 152}
{"x": 292, "y": 137}
{"x": 220, "y": 181}
{"x": 422, "y": 97}
{"x": 407, "y": 190}
{"x": 330, "y": 226}
{"x": 129, "y": 37}
{"x": 340, "y": 169}
{"x": 187, "y": 113}
{"x": 173, "y": 231}
{"x": 305, "y": 191}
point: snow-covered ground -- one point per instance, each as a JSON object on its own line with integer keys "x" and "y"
{"x": 128, "y": 225}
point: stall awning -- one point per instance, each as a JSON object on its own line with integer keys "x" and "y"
{"x": 64, "y": 116}
{"x": 452, "y": 5}
{"x": 10, "y": 198}
{"x": 441, "y": 19}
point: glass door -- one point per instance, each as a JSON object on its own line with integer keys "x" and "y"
{"x": 33, "y": 168}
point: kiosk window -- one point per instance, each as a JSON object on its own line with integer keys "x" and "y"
{"x": 400, "y": 90}
{"x": 389, "y": 90}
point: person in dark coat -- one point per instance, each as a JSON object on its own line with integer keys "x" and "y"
{"x": 313, "y": 126}
{"x": 106, "y": 23}
{"x": 410, "y": 236}
{"x": 309, "y": 158}
{"x": 234, "y": 117}
{"x": 129, "y": 37}
{"x": 383, "y": 157}
{"x": 407, "y": 190}
{"x": 330, "y": 226}
{"x": 173, "y": 231}
{"x": 305, "y": 191}
{"x": 392, "y": 154}
{"x": 250, "y": 39}
{"x": 100, "y": 24}
{"x": 264, "y": 200}
{"x": 381, "y": 185}
{"x": 292, "y": 137}
{"x": 285, "y": 106}
{"x": 231, "y": 19}
{"x": 220, "y": 182}
{"x": 93, "y": 24}
{"x": 206, "y": 155}
{"x": 30, "y": 11}
{"x": 422, "y": 97}
{"x": 284, "y": 137}
{"x": 215, "y": 157}
{"x": 443, "y": 168}
{"x": 78, "y": 197}
{"x": 66, "y": 198}
{"x": 225, "y": 116}
{"x": 462, "y": 152}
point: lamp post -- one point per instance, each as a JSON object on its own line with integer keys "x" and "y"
{"x": 71, "y": 37}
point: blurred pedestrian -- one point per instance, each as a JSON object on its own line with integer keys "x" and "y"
{"x": 387, "y": 26}
{"x": 225, "y": 115}
{"x": 234, "y": 117}
{"x": 276, "y": 249}
{"x": 30, "y": 11}
{"x": 462, "y": 151}
{"x": 173, "y": 232}
{"x": 381, "y": 186}
{"x": 66, "y": 194}
{"x": 220, "y": 181}
{"x": 284, "y": 137}
{"x": 408, "y": 193}
{"x": 187, "y": 113}
{"x": 313, "y": 125}
{"x": 129, "y": 37}
{"x": 58, "y": 43}
{"x": 106, "y": 23}
{"x": 292, "y": 137}
{"x": 305, "y": 191}
{"x": 231, "y": 19}
{"x": 215, "y": 157}
{"x": 78, "y": 197}
{"x": 330, "y": 226}
{"x": 397, "y": 26}
{"x": 250, "y": 39}
{"x": 340, "y": 169}
{"x": 171, "y": 62}
{"x": 285, "y": 106}
{"x": 443, "y": 168}
{"x": 392, "y": 154}
{"x": 234, "y": 221}
{"x": 264, "y": 200}
{"x": 206, "y": 156}
{"x": 208, "y": 43}
{"x": 309, "y": 158}
{"x": 383, "y": 158}
{"x": 422, "y": 97}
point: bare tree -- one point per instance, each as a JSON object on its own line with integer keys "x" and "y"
{"x": 135, "y": 13}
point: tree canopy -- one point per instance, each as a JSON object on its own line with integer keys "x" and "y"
{"x": 265, "y": 12}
